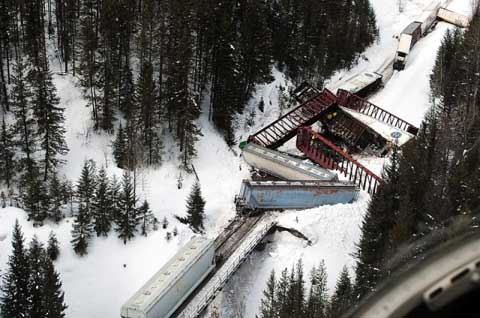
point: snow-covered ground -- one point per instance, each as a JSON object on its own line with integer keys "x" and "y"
{"x": 98, "y": 284}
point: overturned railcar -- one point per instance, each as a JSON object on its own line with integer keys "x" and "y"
{"x": 174, "y": 282}
{"x": 283, "y": 166}
{"x": 283, "y": 195}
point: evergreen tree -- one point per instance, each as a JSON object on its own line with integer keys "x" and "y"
{"x": 24, "y": 127}
{"x": 195, "y": 209}
{"x": 114, "y": 198}
{"x": 120, "y": 148}
{"x": 36, "y": 256}
{"x": 15, "y": 296}
{"x": 379, "y": 220}
{"x": 86, "y": 187}
{"x": 49, "y": 118}
{"x": 82, "y": 230}
{"x": 317, "y": 299}
{"x": 53, "y": 249}
{"x": 145, "y": 216}
{"x": 56, "y": 195}
{"x": 7, "y": 152}
{"x": 147, "y": 118}
{"x": 268, "y": 306}
{"x": 128, "y": 214}
{"x": 283, "y": 287}
{"x": 102, "y": 205}
{"x": 34, "y": 198}
{"x": 53, "y": 296}
{"x": 342, "y": 299}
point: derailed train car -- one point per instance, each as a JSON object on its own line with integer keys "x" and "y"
{"x": 174, "y": 282}
{"x": 283, "y": 166}
{"x": 284, "y": 195}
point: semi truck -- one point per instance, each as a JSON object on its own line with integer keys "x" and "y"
{"x": 408, "y": 38}
{"x": 282, "y": 195}
{"x": 174, "y": 282}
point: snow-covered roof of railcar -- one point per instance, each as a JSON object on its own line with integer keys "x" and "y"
{"x": 156, "y": 287}
{"x": 360, "y": 81}
{"x": 453, "y": 17}
{"x": 294, "y": 163}
{"x": 308, "y": 183}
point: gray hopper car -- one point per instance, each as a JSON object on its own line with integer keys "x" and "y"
{"x": 174, "y": 282}
{"x": 262, "y": 195}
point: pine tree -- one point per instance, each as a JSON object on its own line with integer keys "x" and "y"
{"x": 36, "y": 255}
{"x": 268, "y": 306}
{"x": 49, "y": 117}
{"x": 120, "y": 148}
{"x": 24, "y": 126}
{"x": 102, "y": 205}
{"x": 7, "y": 152}
{"x": 379, "y": 220}
{"x": 114, "y": 198}
{"x": 317, "y": 299}
{"x": 86, "y": 187}
{"x": 342, "y": 299}
{"x": 56, "y": 194}
{"x": 195, "y": 209}
{"x": 89, "y": 63}
{"x": 82, "y": 230}
{"x": 146, "y": 117}
{"x": 33, "y": 196}
{"x": 53, "y": 249}
{"x": 145, "y": 216}
{"x": 53, "y": 296}
{"x": 14, "y": 299}
{"x": 282, "y": 294}
{"x": 128, "y": 214}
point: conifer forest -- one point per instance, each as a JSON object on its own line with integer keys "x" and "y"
{"x": 121, "y": 122}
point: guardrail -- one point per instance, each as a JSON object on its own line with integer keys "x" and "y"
{"x": 232, "y": 265}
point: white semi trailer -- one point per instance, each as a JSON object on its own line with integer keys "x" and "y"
{"x": 161, "y": 296}
{"x": 283, "y": 166}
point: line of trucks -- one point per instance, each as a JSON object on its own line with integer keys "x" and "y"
{"x": 415, "y": 30}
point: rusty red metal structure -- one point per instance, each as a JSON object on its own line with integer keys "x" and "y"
{"x": 320, "y": 150}
{"x": 352, "y": 101}
{"x": 285, "y": 128}
{"x": 346, "y": 127}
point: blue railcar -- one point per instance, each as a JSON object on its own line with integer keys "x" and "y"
{"x": 279, "y": 195}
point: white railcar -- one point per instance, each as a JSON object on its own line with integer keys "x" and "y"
{"x": 453, "y": 17}
{"x": 362, "y": 84}
{"x": 283, "y": 166}
{"x": 174, "y": 282}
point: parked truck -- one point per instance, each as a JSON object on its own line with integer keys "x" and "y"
{"x": 408, "y": 38}
{"x": 283, "y": 166}
{"x": 280, "y": 195}
{"x": 174, "y": 282}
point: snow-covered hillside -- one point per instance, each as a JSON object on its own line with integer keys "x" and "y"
{"x": 98, "y": 284}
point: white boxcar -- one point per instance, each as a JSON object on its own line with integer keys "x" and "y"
{"x": 283, "y": 166}
{"x": 454, "y": 18}
{"x": 362, "y": 84}
{"x": 174, "y": 282}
